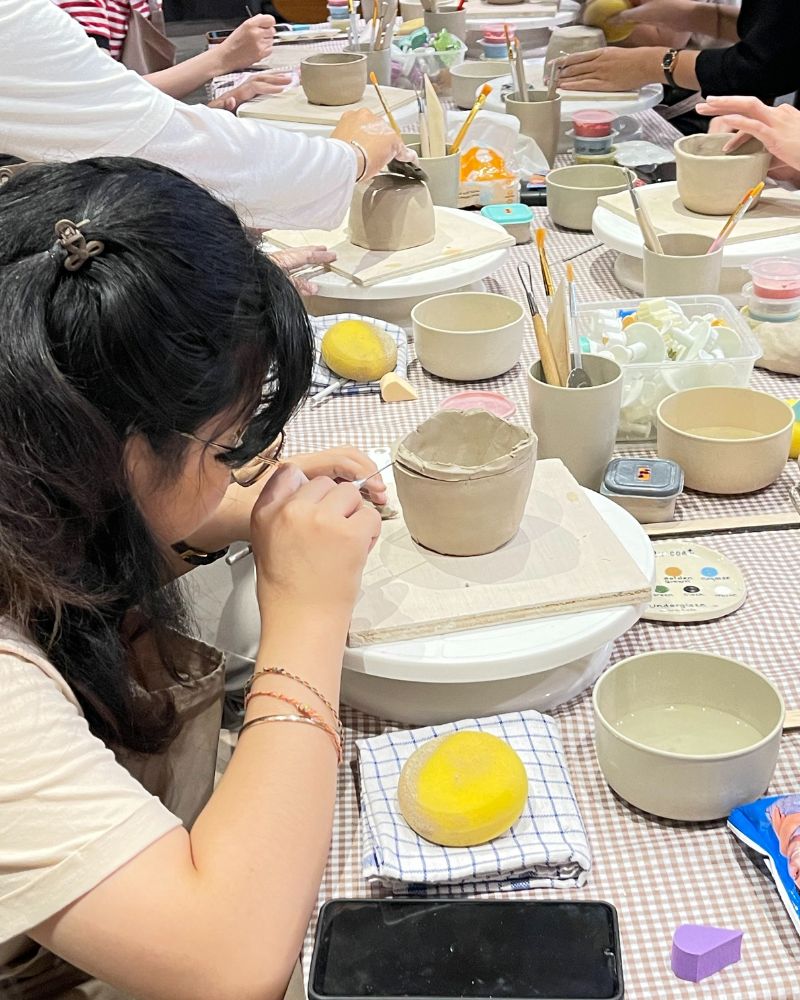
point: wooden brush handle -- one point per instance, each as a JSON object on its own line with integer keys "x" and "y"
{"x": 549, "y": 365}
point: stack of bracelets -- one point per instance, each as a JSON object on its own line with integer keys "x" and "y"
{"x": 306, "y": 715}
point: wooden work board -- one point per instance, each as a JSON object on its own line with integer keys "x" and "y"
{"x": 293, "y": 106}
{"x": 565, "y": 558}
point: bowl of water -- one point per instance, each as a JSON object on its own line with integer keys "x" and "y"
{"x": 686, "y": 735}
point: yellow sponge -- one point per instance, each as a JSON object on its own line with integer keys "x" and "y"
{"x": 462, "y": 789}
{"x": 597, "y": 12}
{"x": 357, "y": 350}
{"x": 794, "y": 448}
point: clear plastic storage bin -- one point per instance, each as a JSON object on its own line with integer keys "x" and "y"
{"x": 647, "y": 383}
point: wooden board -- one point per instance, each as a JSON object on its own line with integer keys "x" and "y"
{"x": 776, "y": 214}
{"x": 292, "y": 106}
{"x": 564, "y": 559}
{"x": 458, "y": 237}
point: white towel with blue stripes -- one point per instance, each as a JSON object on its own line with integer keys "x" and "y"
{"x": 546, "y": 847}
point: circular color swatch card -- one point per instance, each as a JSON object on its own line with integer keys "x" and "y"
{"x": 694, "y": 584}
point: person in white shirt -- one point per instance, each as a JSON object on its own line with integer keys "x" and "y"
{"x": 149, "y": 359}
{"x": 61, "y": 98}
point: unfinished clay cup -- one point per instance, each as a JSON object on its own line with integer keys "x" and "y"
{"x": 539, "y": 118}
{"x": 391, "y": 212}
{"x": 454, "y": 21}
{"x": 711, "y": 182}
{"x": 466, "y": 78}
{"x": 570, "y": 38}
{"x": 573, "y": 192}
{"x": 334, "y": 78}
{"x": 463, "y": 479}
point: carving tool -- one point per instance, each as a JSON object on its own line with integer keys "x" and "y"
{"x": 353, "y": 32}
{"x": 549, "y": 366}
{"x": 552, "y": 86}
{"x": 510, "y": 54}
{"x": 736, "y": 216}
{"x": 651, "y": 241}
{"x": 436, "y": 121}
{"x": 476, "y": 107}
{"x": 580, "y": 253}
{"x": 424, "y": 142}
{"x": 389, "y": 116}
{"x": 521, "y": 78}
{"x": 248, "y": 11}
{"x": 577, "y": 378}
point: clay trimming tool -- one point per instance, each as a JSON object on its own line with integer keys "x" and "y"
{"x": 549, "y": 366}
{"x": 651, "y": 240}
{"x": 577, "y": 378}
{"x": 434, "y": 115}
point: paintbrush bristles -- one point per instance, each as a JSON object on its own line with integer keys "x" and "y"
{"x": 547, "y": 278}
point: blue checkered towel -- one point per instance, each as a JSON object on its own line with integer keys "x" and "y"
{"x": 547, "y": 846}
{"x": 323, "y": 376}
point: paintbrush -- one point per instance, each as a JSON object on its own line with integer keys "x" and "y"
{"x": 460, "y": 6}
{"x": 390, "y": 117}
{"x": 547, "y": 277}
{"x": 521, "y": 78}
{"x": 736, "y": 216}
{"x": 549, "y": 366}
{"x": 353, "y": 32}
{"x": 476, "y": 107}
{"x": 651, "y": 240}
{"x": 248, "y": 11}
{"x": 510, "y": 54}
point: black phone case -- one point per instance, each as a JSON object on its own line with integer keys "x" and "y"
{"x": 322, "y": 920}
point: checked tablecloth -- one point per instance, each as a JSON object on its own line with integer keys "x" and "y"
{"x": 657, "y": 873}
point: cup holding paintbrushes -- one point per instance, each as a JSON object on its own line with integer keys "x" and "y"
{"x": 539, "y": 118}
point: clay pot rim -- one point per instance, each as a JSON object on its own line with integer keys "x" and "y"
{"x": 557, "y": 177}
{"x": 589, "y": 388}
{"x": 471, "y": 473}
{"x": 717, "y": 441}
{"x": 680, "y": 144}
{"x": 339, "y": 59}
{"x": 511, "y": 99}
{"x": 467, "y": 333}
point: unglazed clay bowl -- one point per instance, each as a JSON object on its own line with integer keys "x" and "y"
{"x": 466, "y": 78}
{"x": 466, "y": 336}
{"x": 711, "y": 182}
{"x": 686, "y": 735}
{"x": 726, "y": 439}
{"x": 573, "y": 192}
{"x": 334, "y": 78}
{"x": 463, "y": 479}
{"x": 392, "y": 213}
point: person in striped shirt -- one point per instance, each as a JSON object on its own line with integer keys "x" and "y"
{"x": 108, "y": 21}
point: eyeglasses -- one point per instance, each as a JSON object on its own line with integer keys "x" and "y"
{"x": 256, "y": 468}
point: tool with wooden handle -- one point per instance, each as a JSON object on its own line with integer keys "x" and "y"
{"x": 549, "y": 366}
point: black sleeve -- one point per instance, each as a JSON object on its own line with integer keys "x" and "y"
{"x": 100, "y": 40}
{"x": 764, "y": 62}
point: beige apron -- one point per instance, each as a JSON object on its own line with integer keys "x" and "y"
{"x": 182, "y": 777}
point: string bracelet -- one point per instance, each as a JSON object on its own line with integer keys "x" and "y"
{"x": 302, "y": 719}
{"x": 281, "y": 672}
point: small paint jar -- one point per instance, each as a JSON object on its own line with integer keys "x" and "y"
{"x": 585, "y": 146}
{"x": 609, "y": 158}
{"x": 776, "y": 278}
{"x": 765, "y": 309}
{"x": 648, "y": 488}
{"x": 493, "y": 50}
{"x": 593, "y": 123}
{"x": 515, "y": 218}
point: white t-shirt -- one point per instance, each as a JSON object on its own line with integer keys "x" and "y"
{"x": 70, "y": 815}
{"x": 63, "y": 98}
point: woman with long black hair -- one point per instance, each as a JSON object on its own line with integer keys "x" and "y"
{"x": 149, "y": 355}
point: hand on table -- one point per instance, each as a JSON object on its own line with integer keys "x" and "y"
{"x": 343, "y": 464}
{"x": 778, "y": 128}
{"x": 379, "y": 142}
{"x": 294, "y": 260}
{"x": 607, "y": 69}
{"x": 256, "y": 86}
{"x": 249, "y": 43}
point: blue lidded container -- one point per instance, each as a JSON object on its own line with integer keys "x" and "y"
{"x": 647, "y": 488}
{"x": 515, "y": 218}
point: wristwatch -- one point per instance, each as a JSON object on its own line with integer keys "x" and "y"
{"x": 668, "y": 64}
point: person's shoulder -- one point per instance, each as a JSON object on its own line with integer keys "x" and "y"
{"x": 24, "y": 663}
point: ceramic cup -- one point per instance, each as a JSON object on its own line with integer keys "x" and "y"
{"x": 444, "y": 174}
{"x": 684, "y": 268}
{"x": 334, "y": 78}
{"x": 379, "y": 61}
{"x": 466, "y": 336}
{"x": 711, "y": 182}
{"x": 454, "y": 21}
{"x": 466, "y": 79}
{"x": 463, "y": 479}
{"x": 573, "y": 192}
{"x": 579, "y": 426}
{"x": 571, "y": 38}
{"x": 539, "y": 119}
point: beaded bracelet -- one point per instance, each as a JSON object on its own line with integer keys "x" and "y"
{"x": 280, "y": 672}
{"x": 259, "y": 719}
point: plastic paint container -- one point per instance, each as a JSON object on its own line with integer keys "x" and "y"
{"x": 585, "y": 146}
{"x": 480, "y": 399}
{"x": 516, "y": 219}
{"x": 647, "y": 488}
{"x": 776, "y": 278}
{"x": 769, "y": 309}
{"x": 592, "y": 124}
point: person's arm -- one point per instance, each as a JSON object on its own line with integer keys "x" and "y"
{"x": 612, "y": 69}
{"x": 249, "y": 43}
{"x": 692, "y": 16}
{"x": 221, "y": 911}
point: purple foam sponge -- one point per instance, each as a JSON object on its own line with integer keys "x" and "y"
{"x": 699, "y": 952}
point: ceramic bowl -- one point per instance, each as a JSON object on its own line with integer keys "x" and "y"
{"x": 467, "y": 336}
{"x": 686, "y": 735}
{"x": 573, "y": 192}
{"x": 711, "y": 182}
{"x": 463, "y": 479}
{"x": 334, "y": 78}
{"x": 726, "y": 439}
{"x": 466, "y": 78}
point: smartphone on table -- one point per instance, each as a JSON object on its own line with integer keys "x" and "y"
{"x": 445, "y": 949}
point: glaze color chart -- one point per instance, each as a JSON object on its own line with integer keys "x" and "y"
{"x": 694, "y": 584}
